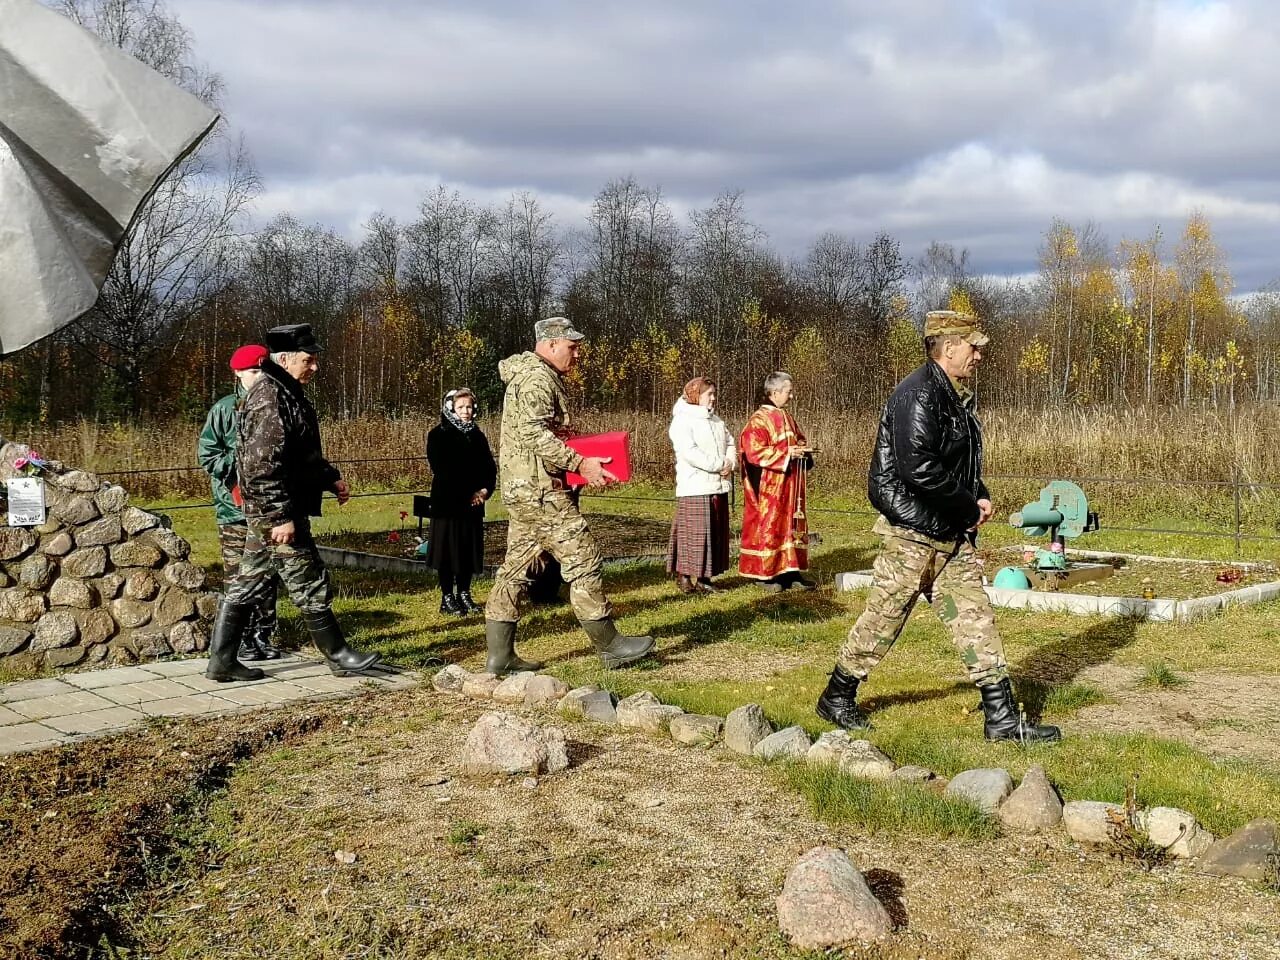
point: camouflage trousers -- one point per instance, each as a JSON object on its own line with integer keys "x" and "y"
{"x": 232, "y": 538}
{"x": 554, "y": 525}
{"x": 297, "y": 565}
{"x": 947, "y": 575}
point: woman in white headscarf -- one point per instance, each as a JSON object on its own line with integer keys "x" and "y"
{"x": 705, "y": 458}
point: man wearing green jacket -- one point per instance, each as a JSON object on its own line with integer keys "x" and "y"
{"x": 217, "y": 454}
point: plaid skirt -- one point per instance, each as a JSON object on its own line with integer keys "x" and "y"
{"x": 699, "y": 544}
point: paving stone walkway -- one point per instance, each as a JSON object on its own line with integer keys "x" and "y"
{"x": 44, "y": 713}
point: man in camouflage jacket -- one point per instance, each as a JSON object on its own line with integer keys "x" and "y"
{"x": 216, "y": 451}
{"x": 283, "y": 475}
{"x": 542, "y": 514}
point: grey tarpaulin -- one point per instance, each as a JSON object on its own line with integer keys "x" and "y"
{"x": 86, "y": 134}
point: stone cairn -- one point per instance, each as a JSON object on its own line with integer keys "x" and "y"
{"x": 99, "y": 581}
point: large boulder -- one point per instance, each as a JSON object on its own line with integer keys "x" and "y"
{"x": 826, "y": 903}
{"x": 505, "y": 744}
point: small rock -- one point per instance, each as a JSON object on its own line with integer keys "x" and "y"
{"x": 628, "y": 708}
{"x": 15, "y": 542}
{"x": 480, "y": 686}
{"x": 695, "y": 729}
{"x": 1176, "y": 831}
{"x": 985, "y": 788}
{"x": 571, "y": 704}
{"x": 864, "y": 759}
{"x": 13, "y": 639}
{"x": 131, "y": 613}
{"x": 100, "y": 533}
{"x": 913, "y": 774}
{"x": 544, "y": 691}
{"x": 450, "y": 679}
{"x": 1034, "y": 806}
{"x": 826, "y": 903}
{"x": 529, "y": 783}
{"x": 59, "y": 545}
{"x": 135, "y": 553}
{"x": 109, "y": 585}
{"x": 657, "y": 719}
{"x": 64, "y": 656}
{"x": 69, "y": 592}
{"x": 57, "y": 628}
{"x": 744, "y": 728}
{"x": 141, "y": 585}
{"x": 1251, "y": 852}
{"x": 185, "y": 575}
{"x": 207, "y": 606}
{"x": 790, "y": 743}
{"x": 344, "y": 856}
{"x": 502, "y": 743}
{"x": 512, "y": 687}
{"x": 85, "y": 563}
{"x": 74, "y": 511}
{"x": 172, "y": 545}
{"x": 599, "y": 708}
{"x": 78, "y": 481}
{"x": 25, "y": 606}
{"x": 830, "y": 747}
{"x": 174, "y": 605}
{"x": 135, "y": 521}
{"x": 1090, "y": 821}
{"x": 188, "y": 637}
{"x": 37, "y": 572}
{"x": 50, "y": 525}
{"x": 96, "y": 626}
{"x": 151, "y": 646}
{"x": 96, "y": 653}
{"x": 112, "y": 499}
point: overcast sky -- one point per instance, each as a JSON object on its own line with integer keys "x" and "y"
{"x": 971, "y": 123}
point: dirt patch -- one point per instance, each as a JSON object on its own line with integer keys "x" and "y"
{"x": 78, "y": 824}
{"x": 1223, "y": 714}
{"x": 619, "y": 538}
{"x": 641, "y": 850}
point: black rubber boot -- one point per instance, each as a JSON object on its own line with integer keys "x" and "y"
{"x": 260, "y": 640}
{"x": 228, "y": 628}
{"x": 500, "y": 638}
{"x": 344, "y": 661}
{"x": 249, "y": 651}
{"x": 616, "y": 649}
{"x": 467, "y": 603}
{"x": 1004, "y": 721}
{"x": 839, "y": 702}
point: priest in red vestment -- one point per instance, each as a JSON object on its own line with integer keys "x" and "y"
{"x": 775, "y": 459}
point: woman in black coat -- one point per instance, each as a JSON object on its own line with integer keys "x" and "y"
{"x": 463, "y": 475}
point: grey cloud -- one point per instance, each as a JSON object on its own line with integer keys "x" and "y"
{"x": 829, "y": 115}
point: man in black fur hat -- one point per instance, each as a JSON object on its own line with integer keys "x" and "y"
{"x": 283, "y": 475}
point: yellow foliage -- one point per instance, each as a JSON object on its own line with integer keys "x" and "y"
{"x": 1035, "y": 357}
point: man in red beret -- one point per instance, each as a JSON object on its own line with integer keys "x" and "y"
{"x": 217, "y": 454}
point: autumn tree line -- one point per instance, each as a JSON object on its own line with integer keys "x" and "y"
{"x": 413, "y": 306}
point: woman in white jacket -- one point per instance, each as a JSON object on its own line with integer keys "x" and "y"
{"x": 705, "y": 460}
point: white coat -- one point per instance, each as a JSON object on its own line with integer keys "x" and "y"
{"x": 703, "y": 448}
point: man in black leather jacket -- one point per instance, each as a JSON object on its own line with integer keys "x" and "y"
{"x": 283, "y": 474}
{"x": 926, "y": 481}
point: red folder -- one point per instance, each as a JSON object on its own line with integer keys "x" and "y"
{"x": 614, "y": 445}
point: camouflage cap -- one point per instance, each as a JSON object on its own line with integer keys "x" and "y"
{"x": 939, "y": 323}
{"x": 556, "y": 328}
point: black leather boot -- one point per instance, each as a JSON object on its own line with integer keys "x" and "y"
{"x": 449, "y": 604}
{"x": 1004, "y": 721}
{"x": 228, "y": 627}
{"x": 500, "y": 638}
{"x": 616, "y": 649}
{"x": 467, "y": 603}
{"x": 260, "y": 640}
{"x": 325, "y": 633}
{"x": 839, "y": 702}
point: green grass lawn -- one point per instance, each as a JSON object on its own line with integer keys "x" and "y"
{"x": 743, "y": 646}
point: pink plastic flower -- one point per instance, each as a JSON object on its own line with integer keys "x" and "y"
{"x": 20, "y": 463}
